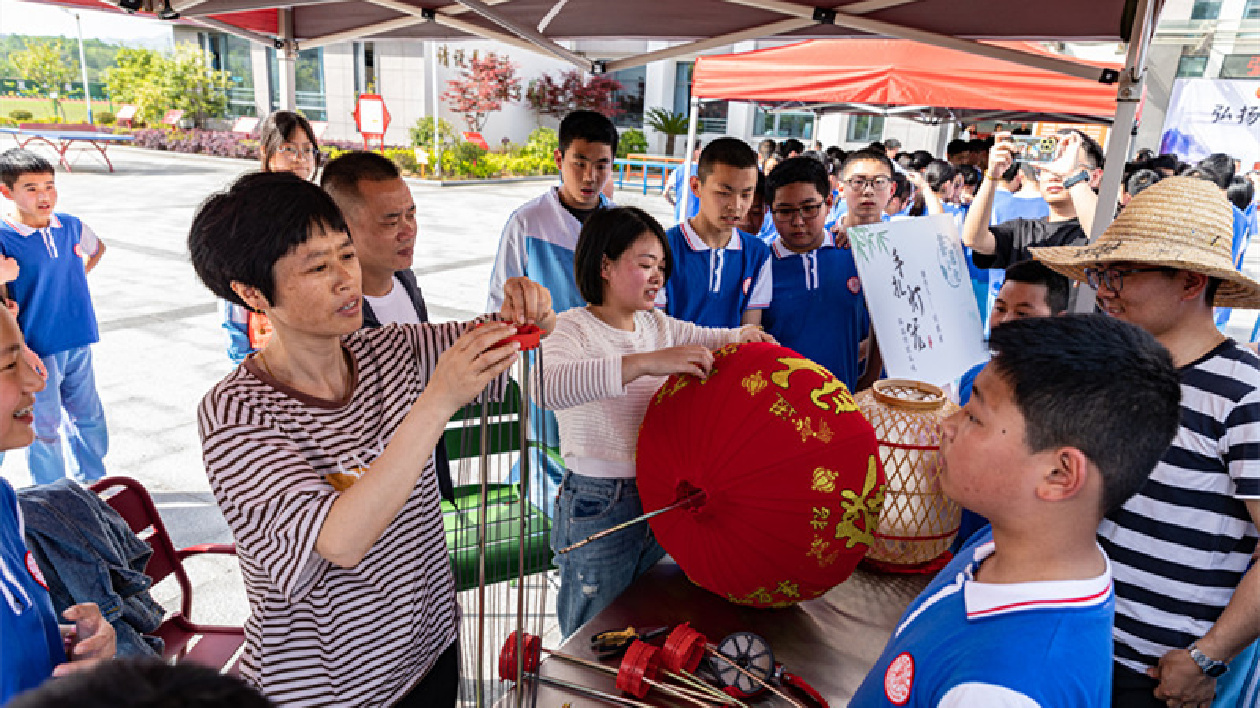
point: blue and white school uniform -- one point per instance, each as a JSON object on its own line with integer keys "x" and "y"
{"x": 1018, "y": 645}
{"x": 538, "y": 242}
{"x": 714, "y": 286}
{"x": 30, "y": 642}
{"x": 818, "y": 309}
{"x": 56, "y": 315}
{"x": 683, "y": 197}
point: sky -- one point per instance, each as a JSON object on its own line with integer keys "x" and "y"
{"x": 40, "y": 19}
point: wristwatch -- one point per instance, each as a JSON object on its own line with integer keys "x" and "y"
{"x": 1209, "y": 666}
{"x": 1075, "y": 179}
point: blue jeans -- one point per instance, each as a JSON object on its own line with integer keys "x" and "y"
{"x": 71, "y": 386}
{"x": 592, "y": 576}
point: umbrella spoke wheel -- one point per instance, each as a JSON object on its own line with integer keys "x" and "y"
{"x": 748, "y": 651}
{"x": 683, "y": 650}
{"x": 640, "y": 666}
{"x": 530, "y": 648}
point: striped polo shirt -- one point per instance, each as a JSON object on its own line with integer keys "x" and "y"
{"x": 1181, "y": 545}
{"x": 319, "y": 634}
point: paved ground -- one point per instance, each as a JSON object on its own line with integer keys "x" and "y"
{"x": 161, "y": 343}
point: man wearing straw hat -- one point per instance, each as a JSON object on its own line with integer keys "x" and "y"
{"x": 1187, "y": 602}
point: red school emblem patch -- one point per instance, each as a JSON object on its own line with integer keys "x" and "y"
{"x": 855, "y": 285}
{"x": 33, "y": 569}
{"x": 898, "y": 679}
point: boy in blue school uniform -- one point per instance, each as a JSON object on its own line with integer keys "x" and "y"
{"x": 539, "y": 237}
{"x": 54, "y": 253}
{"x": 721, "y": 278}
{"x": 538, "y": 243}
{"x": 1064, "y": 424}
{"x": 817, "y": 308}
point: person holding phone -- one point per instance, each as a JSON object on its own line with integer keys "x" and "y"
{"x": 1065, "y": 184}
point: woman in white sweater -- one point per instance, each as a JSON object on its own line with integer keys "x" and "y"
{"x": 602, "y": 364}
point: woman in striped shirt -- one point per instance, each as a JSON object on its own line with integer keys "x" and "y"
{"x": 319, "y": 452}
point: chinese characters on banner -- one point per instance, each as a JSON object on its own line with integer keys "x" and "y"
{"x": 1214, "y": 115}
{"x": 914, "y": 274}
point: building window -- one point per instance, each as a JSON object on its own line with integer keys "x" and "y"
{"x": 1191, "y": 67}
{"x": 365, "y": 68}
{"x": 865, "y": 129}
{"x": 712, "y": 117}
{"x": 1251, "y": 11}
{"x": 629, "y": 100}
{"x": 231, "y": 54}
{"x": 1205, "y": 10}
{"x": 1241, "y": 66}
{"x": 783, "y": 125}
{"x": 312, "y": 100}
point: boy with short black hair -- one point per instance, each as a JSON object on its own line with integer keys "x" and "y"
{"x": 720, "y": 279}
{"x": 817, "y": 308}
{"x": 1065, "y": 424}
{"x": 55, "y": 251}
{"x": 539, "y": 237}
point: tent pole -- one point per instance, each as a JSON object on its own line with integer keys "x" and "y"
{"x": 437, "y": 109}
{"x": 1128, "y": 96}
{"x": 286, "y": 56}
{"x": 691, "y": 147}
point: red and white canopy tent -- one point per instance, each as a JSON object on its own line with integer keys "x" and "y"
{"x": 895, "y": 77}
{"x": 700, "y": 25}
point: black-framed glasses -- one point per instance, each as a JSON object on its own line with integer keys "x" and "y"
{"x": 860, "y": 183}
{"x": 807, "y": 211}
{"x": 1113, "y": 278}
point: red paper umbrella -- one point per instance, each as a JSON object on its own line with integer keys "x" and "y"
{"x": 782, "y": 469}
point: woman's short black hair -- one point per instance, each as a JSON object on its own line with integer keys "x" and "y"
{"x": 238, "y": 235}
{"x": 277, "y": 129}
{"x": 608, "y": 233}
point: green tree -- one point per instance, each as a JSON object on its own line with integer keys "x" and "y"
{"x": 667, "y": 122}
{"x": 47, "y": 66}
{"x": 155, "y": 82}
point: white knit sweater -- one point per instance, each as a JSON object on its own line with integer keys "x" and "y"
{"x": 599, "y": 418}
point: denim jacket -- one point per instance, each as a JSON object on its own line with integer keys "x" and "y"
{"x": 88, "y": 554}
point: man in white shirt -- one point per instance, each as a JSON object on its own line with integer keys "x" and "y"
{"x": 381, "y": 216}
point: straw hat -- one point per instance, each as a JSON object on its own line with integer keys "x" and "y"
{"x": 1179, "y": 222}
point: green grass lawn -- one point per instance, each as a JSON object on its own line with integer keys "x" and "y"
{"x": 73, "y": 111}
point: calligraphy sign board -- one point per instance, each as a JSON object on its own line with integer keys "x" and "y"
{"x": 914, "y": 275}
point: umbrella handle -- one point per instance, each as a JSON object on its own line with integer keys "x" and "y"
{"x": 695, "y": 498}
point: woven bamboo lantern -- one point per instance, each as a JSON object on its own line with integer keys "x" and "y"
{"x": 918, "y": 522}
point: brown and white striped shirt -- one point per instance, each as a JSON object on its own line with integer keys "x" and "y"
{"x": 319, "y": 634}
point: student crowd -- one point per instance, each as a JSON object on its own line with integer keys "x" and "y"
{"x": 1109, "y": 463}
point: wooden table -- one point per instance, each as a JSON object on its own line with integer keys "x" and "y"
{"x": 831, "y": 641}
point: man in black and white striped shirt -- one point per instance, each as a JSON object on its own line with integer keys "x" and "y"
{"x": 1187, "y": 598}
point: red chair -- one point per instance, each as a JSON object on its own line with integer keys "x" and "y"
{"x": 208, "y": 645}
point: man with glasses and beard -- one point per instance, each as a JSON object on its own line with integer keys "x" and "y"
{"x": 1187, "y": 591}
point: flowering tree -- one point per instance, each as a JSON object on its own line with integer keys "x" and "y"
{"x": 571, "y": 92}
{"x": 485, "y": 83}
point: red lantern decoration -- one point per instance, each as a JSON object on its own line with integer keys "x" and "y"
{"x": 782, "y": 468}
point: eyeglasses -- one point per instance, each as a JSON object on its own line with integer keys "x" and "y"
{"x": 860, "y": 183}
{"x": 807, "y": 211}
{"x": 294, "y": 152}
{"x": 1113, "y": 278}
